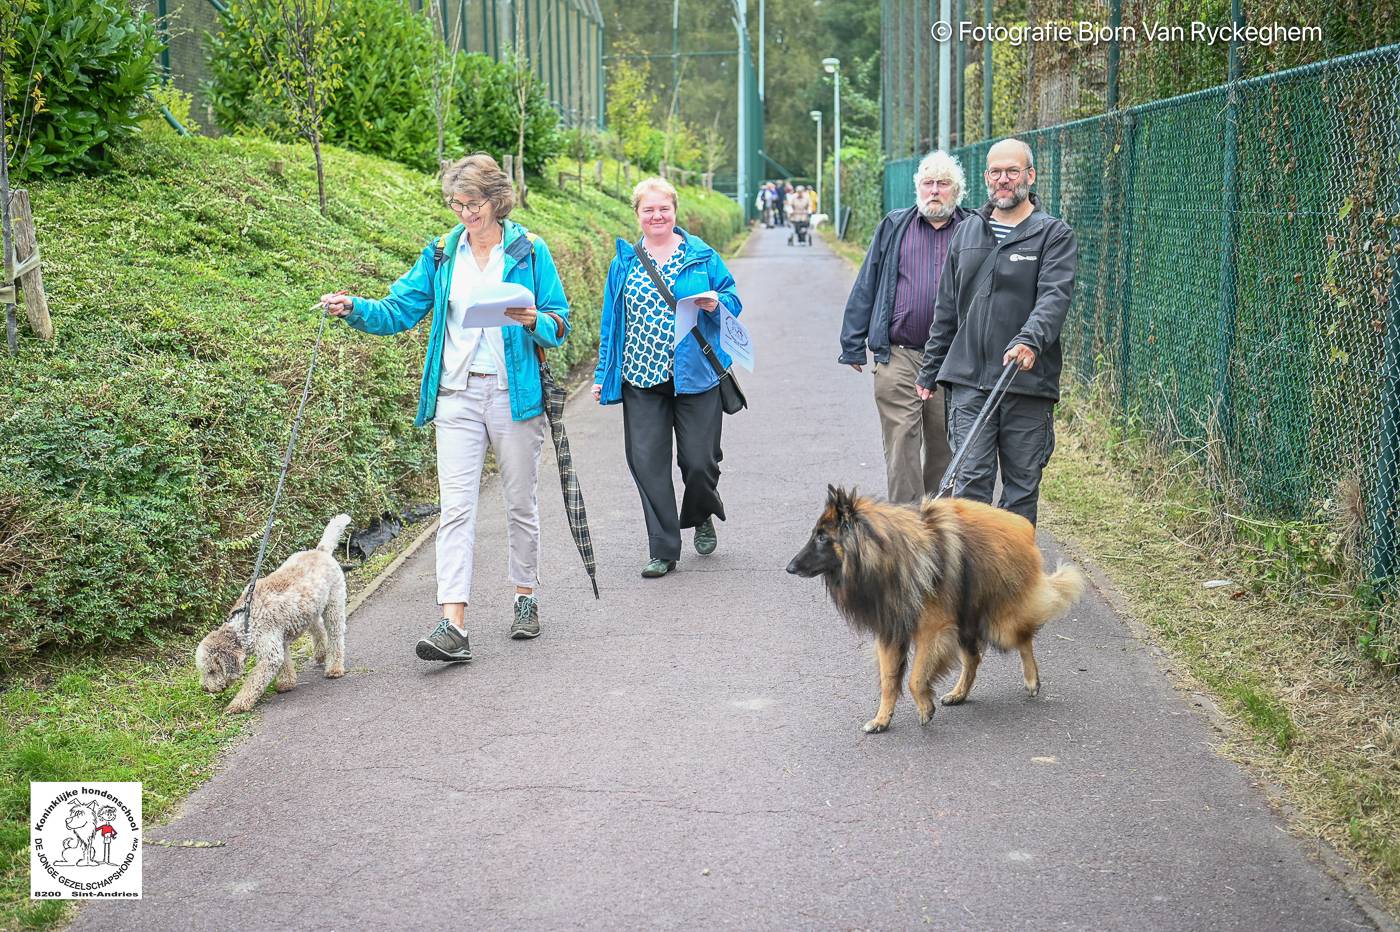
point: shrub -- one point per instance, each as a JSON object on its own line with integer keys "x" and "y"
{"x": 92, "y": 63}
{"x": 383, "y": 106}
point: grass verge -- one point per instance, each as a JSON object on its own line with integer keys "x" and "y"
{"x": 1318, "y": 719}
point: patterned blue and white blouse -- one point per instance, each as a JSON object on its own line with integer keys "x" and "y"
{"x": 649, "y": 341}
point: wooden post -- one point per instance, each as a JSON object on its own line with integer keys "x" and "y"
{"x": 598, "y": 172}
{"x": 509, "y": 166}
{"x": 31, "y": 277}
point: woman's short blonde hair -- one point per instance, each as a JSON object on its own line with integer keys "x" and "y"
{"x": 654, "y": 185}
{"x": 478, "y": 175}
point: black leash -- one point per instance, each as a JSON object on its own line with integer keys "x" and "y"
{"x": 247, "y": 609}
{"x": 1008, "y": 375}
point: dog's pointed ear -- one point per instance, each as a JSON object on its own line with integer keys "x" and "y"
{"x": 841, "y": 504}
{"x": 832, "y": 492}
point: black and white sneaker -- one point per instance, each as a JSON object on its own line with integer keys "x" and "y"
{"x": 447, "y": 642}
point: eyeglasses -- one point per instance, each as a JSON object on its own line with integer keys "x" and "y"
{"x": 1010, "y": 174}
{"x": 471, "y": 207}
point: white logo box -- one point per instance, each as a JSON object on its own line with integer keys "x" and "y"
{"x": 84, "y": 841}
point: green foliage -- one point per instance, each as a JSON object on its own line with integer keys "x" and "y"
{"x": 630, "y": 106}
{"x": 862, "y": 192}
{"x": 385, "y": 104}
{"x": 76, "y": 72}
{"x": 179, "y": 103}
{"x": 138, "y": 453}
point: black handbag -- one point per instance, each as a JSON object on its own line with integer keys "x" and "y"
{"x": 731, "y": 396}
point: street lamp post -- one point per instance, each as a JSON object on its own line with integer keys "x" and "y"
{"x": 833, "y": 68}
{"x": 817, "y": 115}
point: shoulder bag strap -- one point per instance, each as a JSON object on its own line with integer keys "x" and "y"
{"x": 670, "y": 300}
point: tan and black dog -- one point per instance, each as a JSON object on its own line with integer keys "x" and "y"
{"x": 946, "y": 577}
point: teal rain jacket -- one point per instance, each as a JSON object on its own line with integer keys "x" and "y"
{"x": 425, "y": 288}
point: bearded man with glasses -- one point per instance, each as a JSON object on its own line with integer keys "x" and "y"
{"x": 889, "y": 311}
{"x": 1003, "y": 298}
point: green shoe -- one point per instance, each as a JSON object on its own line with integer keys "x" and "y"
{"x": 705, "y": 539}
{"x": 446, "y": 642}
{"x": 527, "y": 618}
{"x": 657, "y": 568}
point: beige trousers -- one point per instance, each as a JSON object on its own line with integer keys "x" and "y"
{"x": 915, "y": 432}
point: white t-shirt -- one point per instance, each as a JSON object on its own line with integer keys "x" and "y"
{"x": 472, "y": 349}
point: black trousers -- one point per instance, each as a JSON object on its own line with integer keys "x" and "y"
{"x": 649, "y": 417}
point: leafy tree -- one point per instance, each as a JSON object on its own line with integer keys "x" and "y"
{"x": 631, "y": 106}
{"x": 439, "y": 72}
{"x": 300, "y": 49}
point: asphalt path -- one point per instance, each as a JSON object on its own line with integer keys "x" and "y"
{"x": 686, "y": 753}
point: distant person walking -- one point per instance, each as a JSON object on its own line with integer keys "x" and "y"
{"x": 890, "y": 310}
{"x": 1003, "y": 298}
{"x": 666, "y": 388}
{"x": 481, "y": 385}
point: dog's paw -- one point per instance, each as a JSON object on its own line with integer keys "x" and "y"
{"x": 283, "y": 686}
{"x": 926, "y": 715}
{"x": 1033, "y": 689}
{"x": 334, "y": 673}
{"x": 954, "y": 698}
{"x": 237, "y": 708}
{"x": 875, "y": 726}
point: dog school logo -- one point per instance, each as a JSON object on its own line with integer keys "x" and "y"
{"x": 1018, "y": 257}
{"x": 84, "y": 841}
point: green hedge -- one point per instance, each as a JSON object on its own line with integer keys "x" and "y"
{"x": 90, "y": 62}
{"x": 382, "y": 106}
{"x": 139, "y": 449}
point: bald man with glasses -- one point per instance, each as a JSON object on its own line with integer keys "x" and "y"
{"x": 1003, "y": 298}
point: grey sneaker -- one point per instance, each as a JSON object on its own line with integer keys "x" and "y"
{"x": 447, "y": 642}
{"x": 527, "y": 619}
{"x": 705, "y": 538}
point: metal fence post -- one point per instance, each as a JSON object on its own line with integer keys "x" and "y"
{"x": 1383, "y": 504}
{"x": 1228, "y": 321}
{"x": 987, "y": 73}
{"x": 1128, "y": 165}
{"x": 961, "y": 66}
{"x": 1115, "y": 22}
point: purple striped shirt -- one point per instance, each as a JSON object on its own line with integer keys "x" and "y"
{"x": 921, "y": 258}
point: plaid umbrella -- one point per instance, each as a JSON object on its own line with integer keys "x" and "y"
{"x": 568, "y": 479}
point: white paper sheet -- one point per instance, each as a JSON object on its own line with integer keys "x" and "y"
{"x": 734, "y": 339}
{"x": 489, "y": 302}
{"x": 688, "y": 312}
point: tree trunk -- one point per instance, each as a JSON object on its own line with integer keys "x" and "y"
{"x": 320, "y": 171}
{"x": 520, "y": 158}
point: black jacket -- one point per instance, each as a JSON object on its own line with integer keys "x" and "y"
{"x": 871, "y": 304}
{"x": 1024, "y": 299}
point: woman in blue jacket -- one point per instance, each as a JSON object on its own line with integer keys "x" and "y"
{"x": 666, "y": 388}
{"x": 481, "y": 385}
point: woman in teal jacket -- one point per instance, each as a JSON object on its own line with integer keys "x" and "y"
{"x": 666, "y": 388}
{"x": 481, "y": 385}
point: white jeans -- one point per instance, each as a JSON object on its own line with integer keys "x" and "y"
{"x": 467, "y": 420}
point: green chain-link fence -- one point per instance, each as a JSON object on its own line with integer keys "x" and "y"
{"x": 1238, "y": 252}
{"x": 563, "y": 42}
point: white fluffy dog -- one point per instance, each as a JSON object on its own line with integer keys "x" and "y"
{"x": 307, "y": 593}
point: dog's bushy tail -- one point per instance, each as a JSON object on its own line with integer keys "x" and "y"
{"x": 1058, "y": 592}
{"x": 331, "y": 537}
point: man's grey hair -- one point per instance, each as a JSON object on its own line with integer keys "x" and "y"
{"x": 939, "y": 164}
